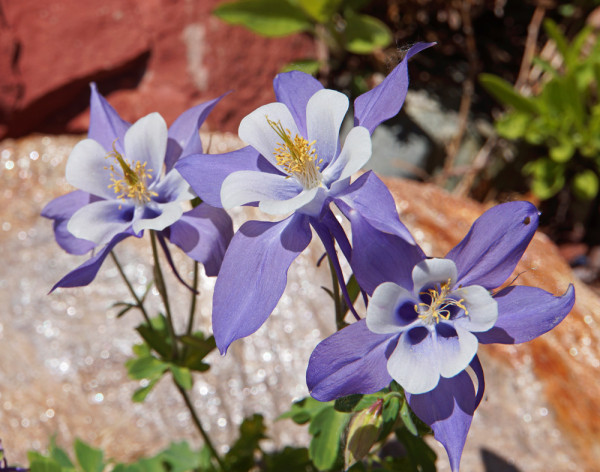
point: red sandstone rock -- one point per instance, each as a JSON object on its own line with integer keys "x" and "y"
{"x": 146, "y": 55}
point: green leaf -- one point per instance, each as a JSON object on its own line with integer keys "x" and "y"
{"x": 89, "y": 458}
{"x": 556, "y": 35}
{"x": 326, "y": 428}
{"x": 157, "y": 339}
{"x": 585, "y": 185}
{"x": 141, "y": 393}
{"x": 308, "y": 66}
{"x": 513, "y": 125}
{"x": 290, "y": 459}
{"x": 182, "y": 376}
{"x": 365, "y": 34}
{"x": 320, "y": 10}
{"x": 44, "y": 464}
{"x": 304, "y": 410}
{"x": 504, "y": 92}
{"x": 563, "y": 151}
{"x": 240, "y": 457}
{"x": 419, "y": 454}
{"x": 145, "y": 368}
{"x": 548, "y": 177}
{"x": 180, "y": 457}
{"x": 269, "y": 18}
{"x": 406, "y": 418}
{"x": 357, "y": 402}
{"x": 59, "y": 455}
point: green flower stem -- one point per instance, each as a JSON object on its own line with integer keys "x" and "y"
{"x": 337, "y": 297}
{"x": 162, "y": 289}
{"x": 200, "y": 428}
{"x": 139, "y": 303}
{"x": 190, "y": 326}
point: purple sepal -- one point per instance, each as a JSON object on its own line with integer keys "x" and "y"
{"x": 294, "y": 89}
{"x": 203, "y": 234}
{"x": 184, "y": 136}
{"x": 380, "y": 257}
{"x": 369, "y": 196}
{"x": 206, "y": 172}
{"x": 524, "y": 313}
{"x": 86, "y": 272}
{"x": 385, "y": 100}
{"x": 254, "y": 275}
{"x": 60, "y": 210}
{"x": 105, "y": 123}
{"x": 494, "y": 245}
{"x": 449, "y": 409}
{"x": 353, "y": 360}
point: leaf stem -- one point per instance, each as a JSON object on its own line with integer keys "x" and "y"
{"x": 337, "y": 299}
{"x": 162, "y": 289}
{"x": 139, "y": 303}
{"x": 200, "y": 428}
{"x": 190, "y": 326}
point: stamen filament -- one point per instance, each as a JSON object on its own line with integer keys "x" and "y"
{"x": 438, "y": 307}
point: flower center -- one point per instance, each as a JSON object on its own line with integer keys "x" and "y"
{"x": 297, "y": 157}
{"x": 130, "y": 180}
{"x": 439, "y": 305}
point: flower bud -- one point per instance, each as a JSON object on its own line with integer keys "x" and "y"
{"x": 363, "y": 432}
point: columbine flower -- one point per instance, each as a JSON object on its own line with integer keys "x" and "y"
{"x": 294, "y": 164}
{"x": 127, "y": 184}
{"x": 426, "y": 318}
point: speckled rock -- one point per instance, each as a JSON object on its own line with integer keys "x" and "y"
{"x": 61, "y": 365}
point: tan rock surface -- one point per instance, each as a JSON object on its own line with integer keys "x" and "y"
{"x": 61, "y": 367}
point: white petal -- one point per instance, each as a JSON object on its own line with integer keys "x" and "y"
{"x": 482, "y": 309}
{"x": 430, "y": 272}
{"x": 455, "y": 353}
{"x": 302, "y": 200}
{"x": 146, "y": 141}
{"x": 355, "y": 154}
{"x": 87, "y": 169}
{"x": 168, "y": 214}
{"x": 255, "y": 129}
{"x": 325, "y": 112}
{"x": 382, "y": 316}
{"x": 414, "y": 363}
{"x": 248, "y": 186}
{"x": 101, "y": 221}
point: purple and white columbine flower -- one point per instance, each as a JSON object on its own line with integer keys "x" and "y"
{"x": 127, "y": 184}
{"x": 294, "y": 164}
{"x": 427, "y": 317}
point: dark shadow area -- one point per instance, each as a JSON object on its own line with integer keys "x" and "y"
{"x": 494, "y": 463}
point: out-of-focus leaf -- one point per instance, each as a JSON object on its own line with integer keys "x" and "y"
{"x": 240, "y": 457}
{"x": 353, "y": 403}
{"x": 145, "y": 368}
{"x": 365, "y": 34}
{"x": 554, "y": 32}
{"x": 548, "y": 177}
{"x": 308, "y": 66}
{"x": 320, "y": 10}
{"x": 407, "y": 419}
{"x": 326, "y": 428}
{"x": 290, "y": 459}
{"x": 269, "y": 18}
{"x": 44, "y": 464}
{"x": 180, "y": 457}
{"x": 89, "y": 458}
{"x": 585, "y": 185}
{"x": 303, "y": 410}
{"x": 420, "y": 456}
{"x": 563, "y": 151}
{"x": 182, "y": 376}
{"x": 503, "y": 91}
{"x": 513, "y": 125}
{"x": 141, "y": 393}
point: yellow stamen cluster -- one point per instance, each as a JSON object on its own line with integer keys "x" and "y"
{"x": 297, "y": 156}
{"x": 130, "y": 181}
{"x": 438, "y": 308}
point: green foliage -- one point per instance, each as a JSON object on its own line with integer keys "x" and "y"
{"x": 564, "y": 117}
{"x": 336, "y": 23}
{"x": 154, "y": 357}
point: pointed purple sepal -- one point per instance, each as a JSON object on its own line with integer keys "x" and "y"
{"x": 524, "y": 313}
{"x": 353, "y": 360}
{"x": 385, "y": 100}
{"x": 184, "y": 133}
{"x": 494, "y": 245}
{"x": 253, "y": 275}
{"x": 106, "y": 125}
{"x": 449, "y": 409}
{"x": 86, "y": 272}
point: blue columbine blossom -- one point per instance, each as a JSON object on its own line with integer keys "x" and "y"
{"x": 426, "y": 318}
{"x": 294, "y": 164}
{"x": 127, "y": 183}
